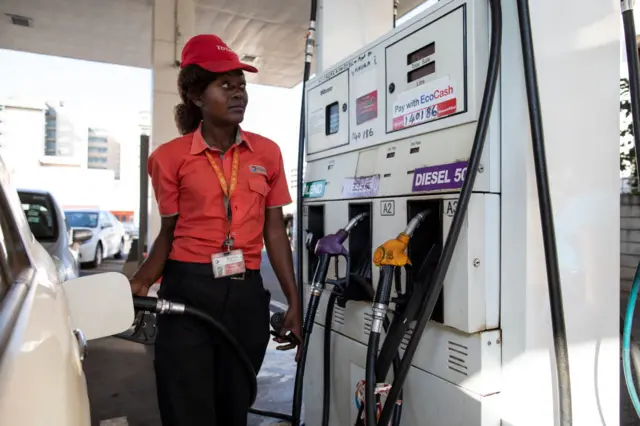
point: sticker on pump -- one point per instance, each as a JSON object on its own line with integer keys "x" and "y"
{"x": 424, "y": 103}
{"x": 367, "y": 107}
{"x": 442, "y": 176}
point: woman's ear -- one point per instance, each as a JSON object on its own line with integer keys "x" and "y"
{"x": 195, "y": 99}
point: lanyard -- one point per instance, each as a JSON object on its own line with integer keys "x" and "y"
{"x": 227, "y": 188}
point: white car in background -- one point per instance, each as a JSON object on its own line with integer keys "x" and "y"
{"x": 108, "y": 236}
{"x": 45, "y": 325}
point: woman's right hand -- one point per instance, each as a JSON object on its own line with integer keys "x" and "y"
{"x": 139, "y": 288}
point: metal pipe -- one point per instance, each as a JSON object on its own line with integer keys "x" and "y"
{"x": 143, "y": 214}
{"x": 415, "y": 222}
{"x": 353, "y": 222}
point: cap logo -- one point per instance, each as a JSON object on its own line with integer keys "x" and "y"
{"x": 225, "y": 48}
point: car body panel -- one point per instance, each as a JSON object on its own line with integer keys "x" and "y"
{"x": 41, "y": 377}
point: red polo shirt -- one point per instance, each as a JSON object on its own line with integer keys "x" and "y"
{"x": 186, "y": 185}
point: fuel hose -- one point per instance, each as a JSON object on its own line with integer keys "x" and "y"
{"x": 309, "y": 48}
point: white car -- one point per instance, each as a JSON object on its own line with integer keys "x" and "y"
{"x": 108, "y": 235}
{"x": 45, "y": 325}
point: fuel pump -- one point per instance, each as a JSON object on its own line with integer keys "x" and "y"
{"x": 428, "y": 113}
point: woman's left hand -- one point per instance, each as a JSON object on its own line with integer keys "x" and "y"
{"x": 291, "y": 324}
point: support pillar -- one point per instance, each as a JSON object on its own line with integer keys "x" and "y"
{"x": 346, "y": 26}
{"x": 173, "y": 25}
{"x": 577, "y": 48}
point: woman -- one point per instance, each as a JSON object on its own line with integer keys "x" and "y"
{"x": 220, "y": 191}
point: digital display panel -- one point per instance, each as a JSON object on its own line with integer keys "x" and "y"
{"x": 333, "y": 118}
{"x": 423, "y": 71}
{"x": 421, "y": 53}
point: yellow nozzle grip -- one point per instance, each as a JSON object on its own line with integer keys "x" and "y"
{"x": 393, "y": 252}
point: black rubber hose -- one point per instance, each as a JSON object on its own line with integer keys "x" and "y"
{"x": 397, "y": 414}
{"x": 546, "y": 215}
{"x": 271, "y": 414}
{"x": 401, "y": 322}
{"x": 458, "y": 219}
{"x": 370, "y": 377}
{"x": 381, "y": 298}
{"x": 310, "y": 44}
{"x": 326, "y": 368}
{"x": 634, "y": 77}
{"x": 306, "y": 338}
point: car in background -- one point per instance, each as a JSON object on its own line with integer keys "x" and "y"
{"x": 47, "y": 223}
{"x": 46, "y": 324}
{"x": 108, "y": 237}
{"x": 127, "y": 218}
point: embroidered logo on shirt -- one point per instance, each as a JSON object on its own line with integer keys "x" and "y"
{"x": 258, "y": 169}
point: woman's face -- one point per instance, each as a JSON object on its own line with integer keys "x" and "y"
{"x": 225, "y": 100}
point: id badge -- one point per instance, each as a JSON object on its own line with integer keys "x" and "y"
{"x": 228, "y": 264}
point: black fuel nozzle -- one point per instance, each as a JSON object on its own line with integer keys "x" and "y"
{"x": 277, "y": 323}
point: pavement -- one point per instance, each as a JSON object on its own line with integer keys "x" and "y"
{"x": 121, "y": 383}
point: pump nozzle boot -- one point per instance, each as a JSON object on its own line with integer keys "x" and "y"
{"x": 357, "y": 290}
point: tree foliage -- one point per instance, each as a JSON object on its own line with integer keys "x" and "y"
{"x": 627, "y": 147}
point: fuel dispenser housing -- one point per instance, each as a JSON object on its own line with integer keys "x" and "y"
{"x": 392, "y": 127}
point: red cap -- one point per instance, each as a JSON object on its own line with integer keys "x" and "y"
{"x": 211, "y": 53}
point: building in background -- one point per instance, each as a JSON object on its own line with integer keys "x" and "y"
{"x": 103, "y": 151}
{"x": 22, "y": 132}
{"x": 97, "y": 148}
{"x": 50, "y": 131}
{"x": 50, "y": 146}
{"x": 65, "y": 138}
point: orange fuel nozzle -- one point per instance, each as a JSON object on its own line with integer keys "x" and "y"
{"x": 393, "y": 252}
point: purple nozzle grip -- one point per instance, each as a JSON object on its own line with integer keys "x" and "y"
{"x": 332, "y": 244}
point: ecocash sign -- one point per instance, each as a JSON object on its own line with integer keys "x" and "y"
{"x": 425, "y": 99}
{"x": 437, "y": 94}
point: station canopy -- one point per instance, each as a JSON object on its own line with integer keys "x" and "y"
{"x": 120, "y": 31}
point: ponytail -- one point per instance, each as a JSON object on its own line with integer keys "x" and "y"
{"x": 188, "y": 117}
{"x": 192, "y": 81}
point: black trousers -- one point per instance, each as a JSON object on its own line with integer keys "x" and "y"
{"x": 198, "y": 379}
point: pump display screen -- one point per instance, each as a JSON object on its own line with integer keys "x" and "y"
{"x": 423, "y": 71}
{"x": 421, "y": 53}
{"x": 333, "y": 118}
